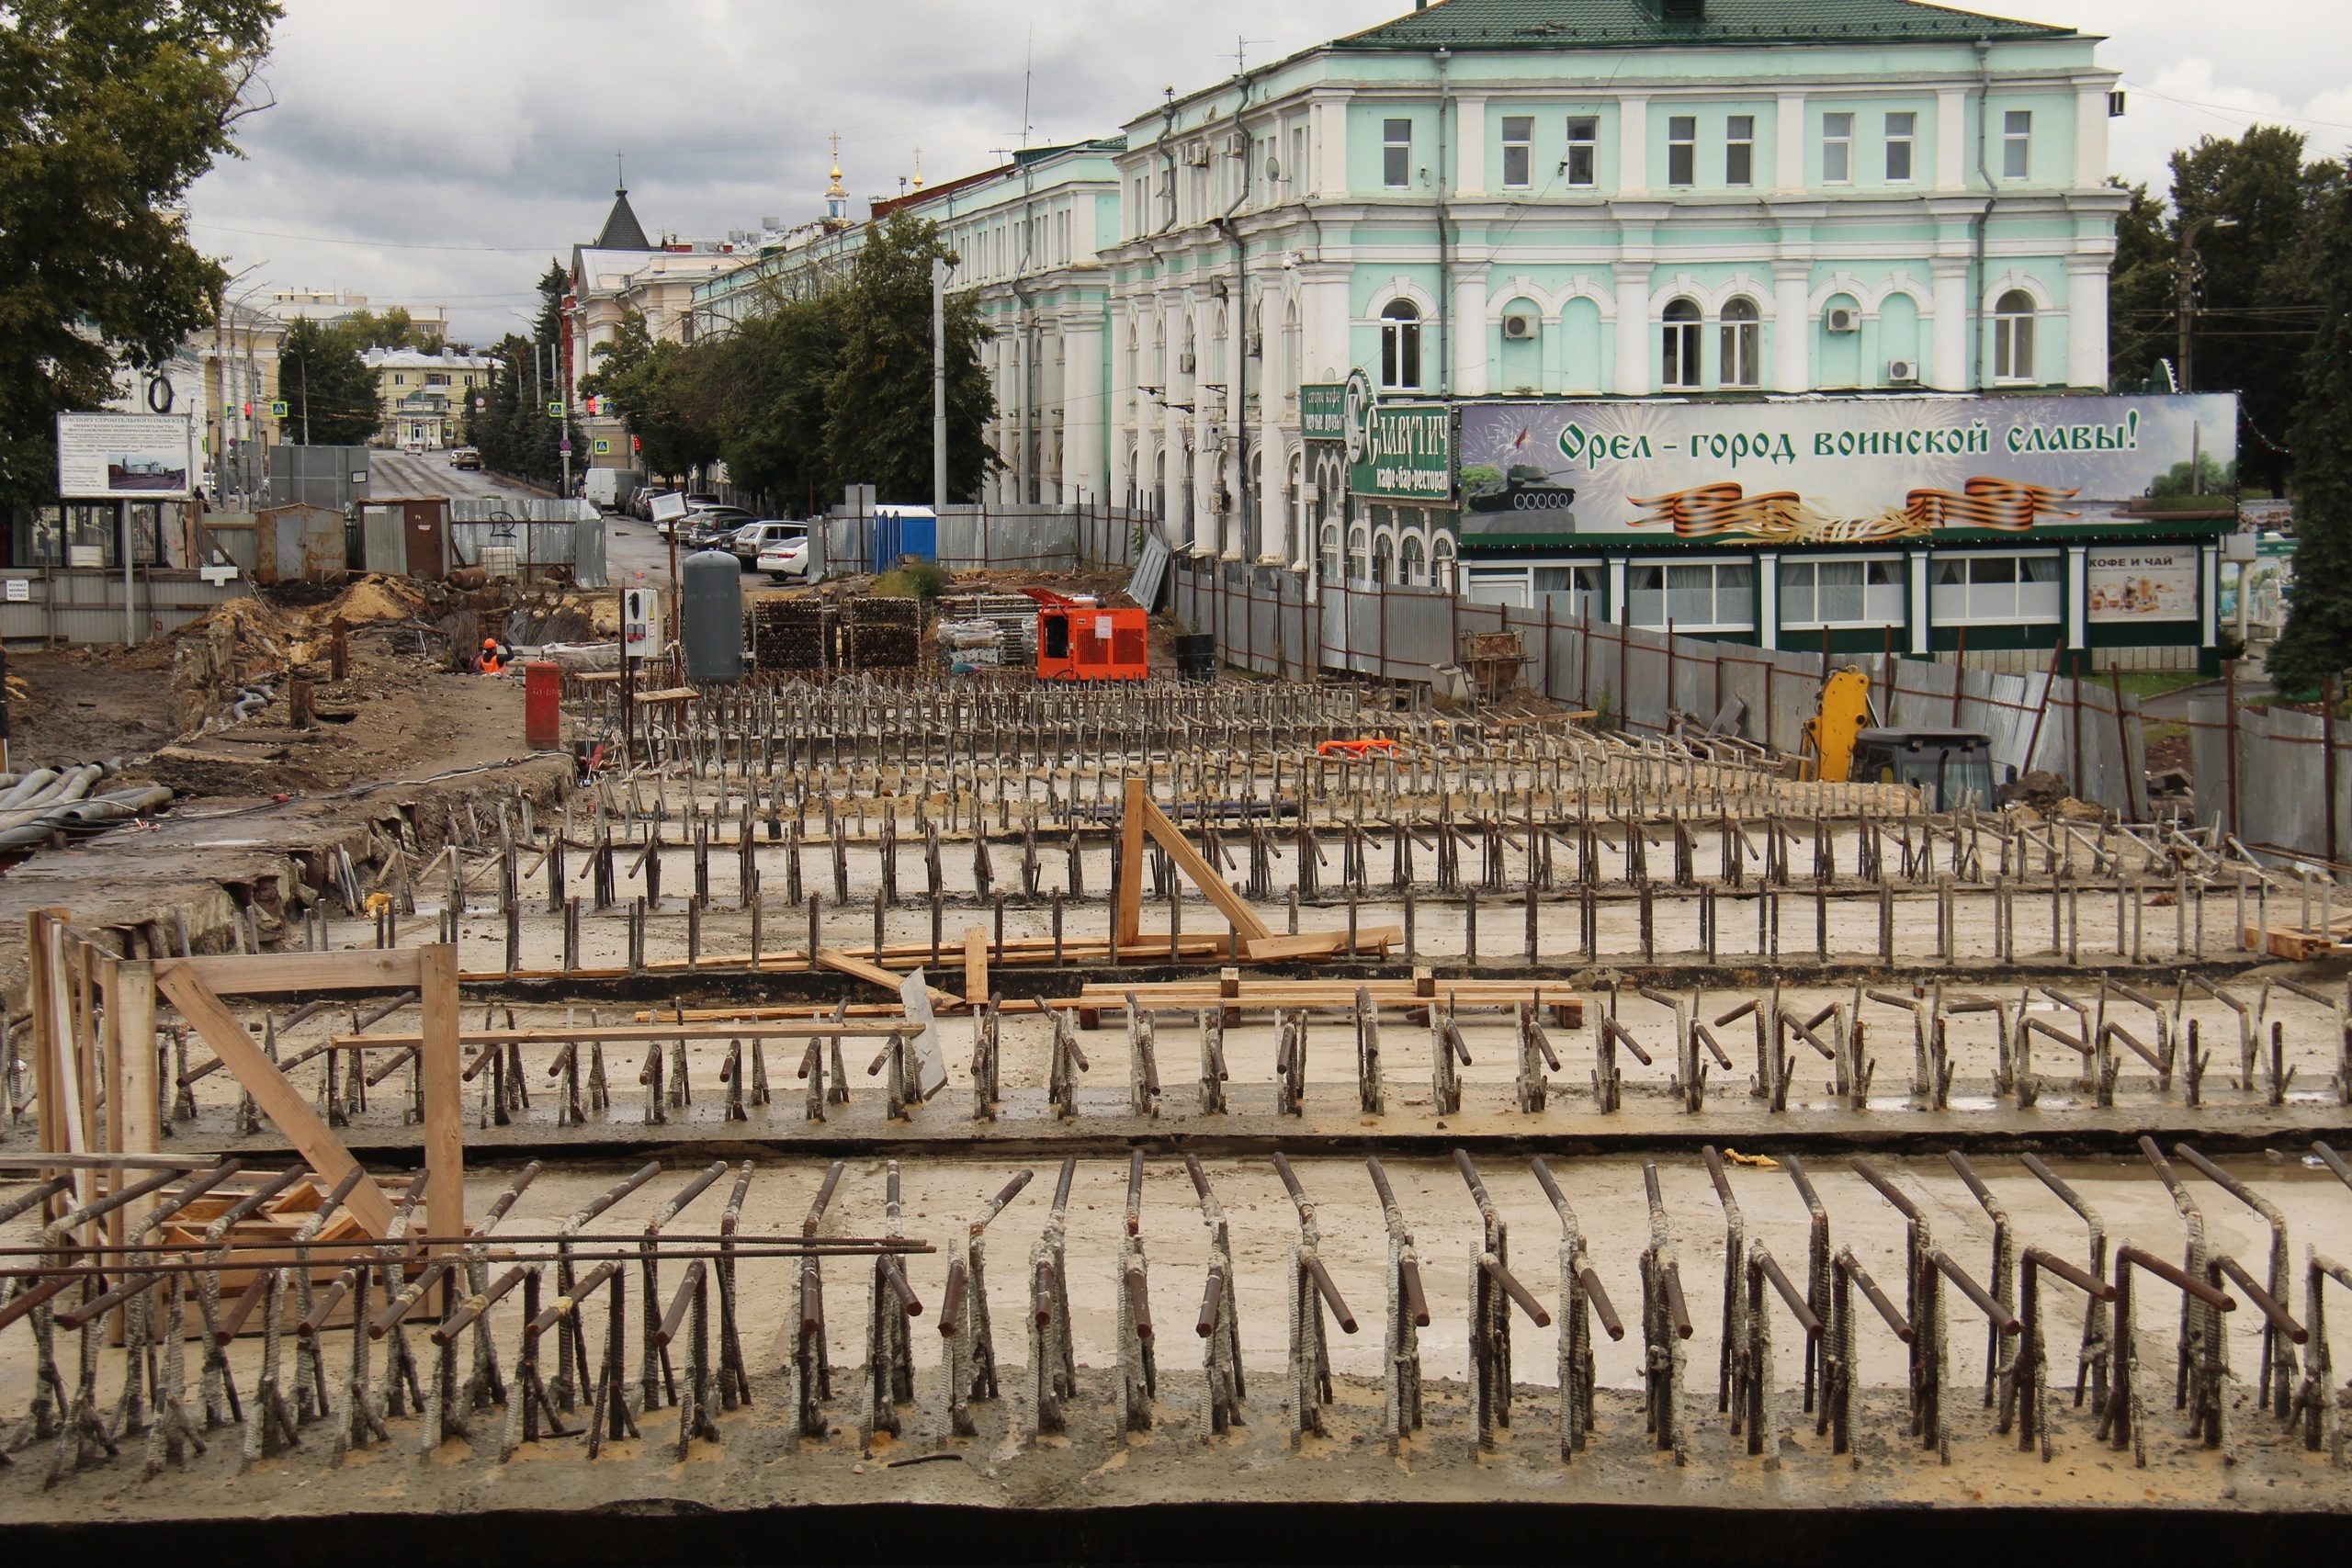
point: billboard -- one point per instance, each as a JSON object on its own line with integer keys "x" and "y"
{"x": 2134, "y": 585}
{"x": 1837, "y": 470}
{"x": 140, "y": 456}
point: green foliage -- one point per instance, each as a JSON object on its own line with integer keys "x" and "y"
{"x": 2260, "y": 276}
{"x": 108, "y": 113}
{"x": 393, "y": 329}
{"x": 2209, "y": 478}
{"x": 513, "y": 432}
{"x": 2317, "y": 641}
{"x": 916, "y": 580}
{"x": 664, "y": 393}
{"x": 330, "y": 392}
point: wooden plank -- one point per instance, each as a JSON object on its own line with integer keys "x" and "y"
{"x": 1202, "y": 875}
{"x": 443, "y": 1065}
{"x": 975, "y": 965}
{"x": 1129, "y": 925}
{"x": 274, "y": 974}
{"x": 859, "y": 969}
{"x": 862, "y": 1028}
{"x": 279, "y": 1100}
{"x": 1306, "y": 944}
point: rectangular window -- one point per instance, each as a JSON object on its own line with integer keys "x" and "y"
{"x": 1739, "y": 149}
{"x": 1705, "y": 596}
{"x": 2016, "y": 144}
{"x": 1584, "y": 143}
{"x": 1585, "y": 587}
{"x": 1682, "y": 150}
{"x": 1837, "y": 148}
{"x": 1397, "y": 152}
{"x": 1842, "y": 592}
{"x": 1296, "y": 170}
{"x": 1995, "y": 589}
{"x": 1901, "y": 130}
{"x": 1519, "y": 151}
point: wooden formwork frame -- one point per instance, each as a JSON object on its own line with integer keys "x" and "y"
{"x": 69, "y": 973}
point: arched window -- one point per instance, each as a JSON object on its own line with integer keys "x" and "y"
{"x": 1330, "y": 552}
{"x": 1358, "y": 559}
{"x": 1384, "y": 560}
{"x": 1412, "y": 561}
{"x": 1289, "y": 367}
{"x": 1400, "y": 347}
{"x": 1160, "y": 351}
{"x": 1742, "y": 361}
{"x": 1159, "y": 484}
{"x": 2013, "y": 337}
{"x": 1185, "y": 361}
{"x": 1681, "y": 345}
{"x": 1441, "y": 562}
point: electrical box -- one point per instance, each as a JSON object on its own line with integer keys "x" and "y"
{"x": 640, "y": 623}
{"x": 1081, "y": 640}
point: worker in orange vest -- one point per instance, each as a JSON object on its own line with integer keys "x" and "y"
{"x": 494, "y": 656}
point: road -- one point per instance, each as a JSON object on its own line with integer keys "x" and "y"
{"x": 429, "y": 473}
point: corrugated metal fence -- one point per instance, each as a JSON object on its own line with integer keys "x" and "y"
{"x": 542, "y": 531}
{"x": 2276, "y": 799}
{"x": 1264, "y": 623}
{"x": 87, "y": 606}
{"x": 1041, "y": 538}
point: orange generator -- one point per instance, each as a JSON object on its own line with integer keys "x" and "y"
{"x": 1081, "y": 640}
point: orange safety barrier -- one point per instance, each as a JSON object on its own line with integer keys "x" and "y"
{"x": 1355, "y": 750}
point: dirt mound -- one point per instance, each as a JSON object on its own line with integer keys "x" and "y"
{"x": 377, "y": 599}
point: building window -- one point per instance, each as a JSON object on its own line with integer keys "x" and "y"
{"x": 1742, "y": 363}
{"x": 1585, "y": 585}
{"x": 1681, "y": 345}
{"x": 1412, "y": 561}
{"x": 399, "y": 381}
{"x": 1400, "y": 347}
{"x": 1706, "y": 596}
{"x": 1682, "y": 150}
{"x": 1837, "y": 148}
{"x": 1384, "y": 560}
{"x": 1441, "y": 562}
{"x": 1901, "y": 130}
{"x": 2013, "y": 337}
{"x": 1995, "y": 589}
{"x": 1584, "y": 143}
{"x": 1842, "y": 592}
{"x": 1330, "y": 552}
{"x": 1358, "y": 559}
{"x": 1519, "y": 151}
{"x": 1397, "y": 152}
{"x": 2016, "y": 144}
{"x": 1739, "y": 149}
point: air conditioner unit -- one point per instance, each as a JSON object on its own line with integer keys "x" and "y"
{"x": 1518, "y": 326}
{"x": 1902, "y": 372}
{"x": 1197, "y": 154}
{"x": 1185, "y": 362}
{"x": 1841, "y": 319}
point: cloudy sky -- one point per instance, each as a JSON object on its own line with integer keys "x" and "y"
{"x": 442, "y": 150}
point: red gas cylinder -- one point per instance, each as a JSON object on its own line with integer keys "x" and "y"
{"x": 543, "y": 705}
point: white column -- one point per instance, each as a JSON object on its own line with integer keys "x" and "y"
{"x": 1634, "y": 377}
{"x": 1788, "y": 143}
{"x": 2090, "y": 137}
{"x": 2087, "y": 322}
{"x": 1953, "y": 142}
{"x": 1633, "y": 145}
{"x": 1468, "y": 135}
{"x": 1468, "y": 330}
{"x": 1767, "y": 600}
{"x": 1085, "y": 464}
{"x": 1921, "y": 625}
{"x": 2077, "y": 595}
{"x": 1323, "y": 308}
{"x": 1617, "y": 604}
{"x": 1791, "y": 327}
{"x": 1948, "y": 365}
{"x": 1326, "y": 120}
{"x": 2209, "y": 595}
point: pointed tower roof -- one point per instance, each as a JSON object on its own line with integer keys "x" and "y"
{"x": 622, "y": 231}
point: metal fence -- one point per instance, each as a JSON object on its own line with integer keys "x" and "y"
{"x": 1039, "y": 539}
{"x": 2272, "y": 778}
{"x": 1263, "y": 622}
{"x": 570, "y": 533}
{"x": 68, "y": 605}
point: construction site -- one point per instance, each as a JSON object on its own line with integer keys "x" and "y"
{"x": 792, "y": 1082}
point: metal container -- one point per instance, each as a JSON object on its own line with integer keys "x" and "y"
{"x": 711, "y": 611}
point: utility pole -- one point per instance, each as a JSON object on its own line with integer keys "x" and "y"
{"x": 939, "y": 270}
{"x": 2186, "y": 274}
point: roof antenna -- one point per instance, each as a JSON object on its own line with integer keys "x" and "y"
{"x": 1028, "y": 70}
{"x": 620, "y": 178}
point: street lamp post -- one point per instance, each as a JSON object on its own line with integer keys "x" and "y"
{"x": 2186, "y": 272}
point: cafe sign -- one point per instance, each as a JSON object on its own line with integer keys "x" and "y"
{"x": 1401, "y": 451}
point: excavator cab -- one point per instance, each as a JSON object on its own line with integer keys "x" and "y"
{"x": 1950, "y": 768}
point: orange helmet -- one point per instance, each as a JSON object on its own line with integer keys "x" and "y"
{"x": 490, "y": 642}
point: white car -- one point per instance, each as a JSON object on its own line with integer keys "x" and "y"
{"x": 785, "y": 558}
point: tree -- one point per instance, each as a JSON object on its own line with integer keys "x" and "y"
{"x": 778, "y": 371}
{"x": 513, "y": 432}
{"x": 879, "y": 428}
{"x": 2139, "y": 289}
{"x": 2317, "y": 641}
{"x": 393, "y": 329}
{"x": 662, "y": 392}
{"x": 108, "y": 113}
{"x": 330, "y": 393}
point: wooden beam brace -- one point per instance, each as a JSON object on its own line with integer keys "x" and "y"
{"x": 274, "y": 974}
{"x": 1202, "y": 875}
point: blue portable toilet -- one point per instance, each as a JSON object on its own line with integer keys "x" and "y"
{"x": 903, "y": 531}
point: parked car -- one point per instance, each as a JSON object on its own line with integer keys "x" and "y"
{"x": 785, "y": 558}
{"x": 751, "y": 540}
{"x": 466, "y": 457}
{"x": 709, "y": 526}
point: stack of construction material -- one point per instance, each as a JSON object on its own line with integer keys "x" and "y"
{"x": 970, "y": 644}
{"x": 790, "y": 635}
{"x": 883, "y": 634}
{"x": 1014, "y": 614}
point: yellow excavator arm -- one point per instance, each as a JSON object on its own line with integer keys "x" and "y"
{"x": 1829, "y": 734}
